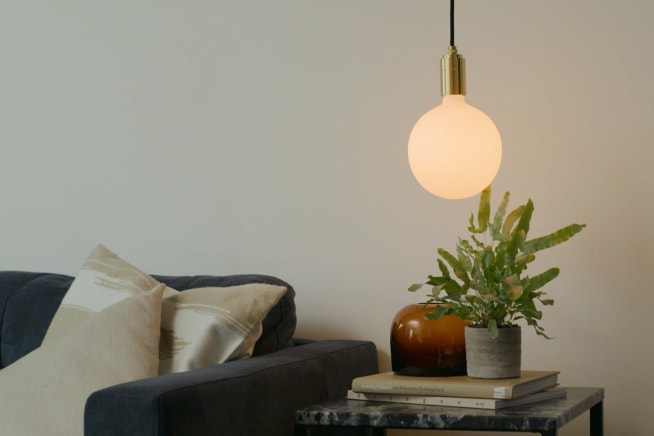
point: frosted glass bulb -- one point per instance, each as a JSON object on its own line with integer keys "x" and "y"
{"x": 455, "y": 149}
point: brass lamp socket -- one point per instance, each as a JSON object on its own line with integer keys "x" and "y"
{"x": 453, "y": 73}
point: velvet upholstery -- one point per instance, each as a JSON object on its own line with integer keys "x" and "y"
{"x": 28, "y": 302}
{"x": 255, "y": 396}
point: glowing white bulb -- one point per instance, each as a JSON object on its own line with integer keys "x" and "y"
{"x": 455, "y": 149}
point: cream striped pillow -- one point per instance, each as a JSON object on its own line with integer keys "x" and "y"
{"x": 203, "y": 326}
{"x": 199, "y": 327}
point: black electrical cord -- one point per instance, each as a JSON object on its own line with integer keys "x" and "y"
{"x": 452, "y": 23}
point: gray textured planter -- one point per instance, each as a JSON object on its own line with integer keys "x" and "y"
{"x": 493, "y": 358}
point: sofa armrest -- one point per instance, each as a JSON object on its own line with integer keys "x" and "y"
{"x": 245, "y": 397}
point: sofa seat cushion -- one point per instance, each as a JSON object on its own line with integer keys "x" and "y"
{"x": 45, "y": 391}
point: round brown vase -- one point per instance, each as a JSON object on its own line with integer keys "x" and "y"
{"x": 424, "y": 347}
{"x": 493, "y": 358}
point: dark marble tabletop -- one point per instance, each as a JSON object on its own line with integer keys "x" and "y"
{"x": 542, "y": 416}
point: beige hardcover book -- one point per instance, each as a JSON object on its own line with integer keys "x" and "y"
{"x": 470, "y": 403}
{"x": 529, "y": 382}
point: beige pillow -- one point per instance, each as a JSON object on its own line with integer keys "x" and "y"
{"x": 44, "y": 393}
{"x": 105, "y": 279}
{"x": 199, "y": 327}
{"x": 204, "y": 326}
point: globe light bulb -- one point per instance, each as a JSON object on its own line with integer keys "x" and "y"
{"x": 454, "y": 149}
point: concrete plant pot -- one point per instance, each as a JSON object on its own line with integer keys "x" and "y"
{"x": 493, "y": 358}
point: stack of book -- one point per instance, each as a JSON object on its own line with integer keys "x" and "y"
{"x": 458, "y": 391}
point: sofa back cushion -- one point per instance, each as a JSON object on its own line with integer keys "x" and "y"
{"x": 28, "y": 302}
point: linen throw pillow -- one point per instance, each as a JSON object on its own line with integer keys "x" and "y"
{"x": 203, "y": 326}
{"x": 199, "y": 327}
{"x": 104, "y": 279}
{"x": 45, "y": 392}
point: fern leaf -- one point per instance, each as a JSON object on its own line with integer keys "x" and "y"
{"x": 443, "y": 268}
{"x": 483, "y": 213}
{"x": 554, "y": 238}
{"x": 499, "y": 217}
{"x": 457, "y": 266}
{"x": 414, "y": 287}
{"x": 510, "y": 221}
{"x": 541, "y": 279}
{"x": 525, "y": 219}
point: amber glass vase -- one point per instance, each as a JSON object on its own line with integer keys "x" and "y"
{"x": 424, "y": 347}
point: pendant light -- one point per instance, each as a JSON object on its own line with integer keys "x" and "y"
{"x": 455, "y": 149}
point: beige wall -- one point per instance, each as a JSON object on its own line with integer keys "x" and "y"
{"x": 258, "y": 136}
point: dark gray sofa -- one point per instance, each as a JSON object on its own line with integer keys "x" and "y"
{"x": 255, "y": 396}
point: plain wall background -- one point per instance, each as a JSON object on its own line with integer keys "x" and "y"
{"x": 238, "y": 136}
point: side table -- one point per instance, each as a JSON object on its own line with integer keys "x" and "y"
{"x": 354, "y": 417}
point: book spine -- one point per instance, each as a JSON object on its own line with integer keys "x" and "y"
{"x": 445, "y": 390}
{"x": 473, "y": 403}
